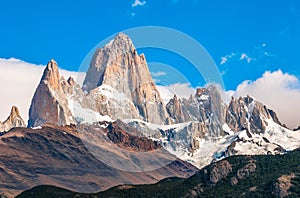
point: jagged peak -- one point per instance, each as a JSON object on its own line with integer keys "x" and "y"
{"x": 13, "y": 120}
{"x": 120, "y": 43}
{"x": 51, "y": 74}
{"x": 14, "y": 112}
{"x": 122, "y": 35}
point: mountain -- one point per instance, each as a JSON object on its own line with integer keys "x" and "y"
{"x": 199, "y": 129}
{"x": 59, "y": 156}
{"x": 237, "y": 176}
{"x": 49, "y": 103}
{"x": 119, "y": 66}
{"x": 13, "y": 120}
{"x": 118, "y": 85}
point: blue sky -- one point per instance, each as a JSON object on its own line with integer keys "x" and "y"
{"x": 252, "y": 36}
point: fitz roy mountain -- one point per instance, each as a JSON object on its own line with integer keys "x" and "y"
{"x": 116, "y": 128}
{"x": 198, "y": 129}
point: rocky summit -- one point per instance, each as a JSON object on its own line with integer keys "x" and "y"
{"x": 49, "y": 103}
{"x": 13, "y": 120}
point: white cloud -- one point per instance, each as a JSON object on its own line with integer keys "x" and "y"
{"x": 138, "y": 3}
{"x": 277, "y": 90}
{"x": 245, "y": 57}
{"x": 223, "y": 60}
{"x": 236, "y": 56}
{"x": 159, "y": 73}
{"x": 227, "y": 57}
{"x": 18, "y": 81}
{"x": 182, "y": 90}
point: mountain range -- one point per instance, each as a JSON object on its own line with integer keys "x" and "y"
{"x": 116, "y": 129}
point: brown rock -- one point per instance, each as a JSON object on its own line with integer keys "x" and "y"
{"x": 118, "y": 135}
{"x": 282, "y": 185}
{"x": 219, "y": 171}
{"x": 246, "y": 171}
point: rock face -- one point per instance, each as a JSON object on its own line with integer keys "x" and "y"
{"x": 131, "y": 142}
{"x": 220, "y": 171}
{"x": 206, "y": 106}
{"x": 49, "y": 103}
{"x": 176, "y": 112}
{"x": 119, "y": 66}
{"x": 13, "y": 120}
{"x": 282, "y": 185}
{"x": 250, "y": 114}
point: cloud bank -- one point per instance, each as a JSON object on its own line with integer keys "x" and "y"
{"x": 18, "y": 81}
{"x": 182, "y": 90}
{"x": 279, "y": 91}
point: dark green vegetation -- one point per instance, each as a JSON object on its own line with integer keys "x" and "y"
{"x": 248, "y": 176}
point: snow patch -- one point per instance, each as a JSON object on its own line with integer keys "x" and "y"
{"x": 84, "y": 115}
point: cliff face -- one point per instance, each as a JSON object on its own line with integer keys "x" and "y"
{"x": 49, "y": 103}
{"x": 206, "y": 107}
{"x": 250, "y": 114}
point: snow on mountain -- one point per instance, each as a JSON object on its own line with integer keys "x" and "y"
{"x": 177, "y": 138}
{"x": 85, "y": 115}
{"x": 199, "y": 129}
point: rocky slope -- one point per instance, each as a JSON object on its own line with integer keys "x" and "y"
{"x": 238, "y": 176}
{"x": 13, "y": 120}
{"x": 59, "y": 156}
